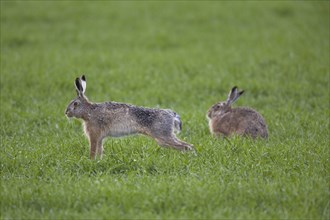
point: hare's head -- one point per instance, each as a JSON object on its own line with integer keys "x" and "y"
{"x": 223, "y": 107}
{"x": 77, "y": 107}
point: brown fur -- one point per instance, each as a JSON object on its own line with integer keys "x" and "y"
{"x": 224, "y": 120}
{"x": 120, "y": 119}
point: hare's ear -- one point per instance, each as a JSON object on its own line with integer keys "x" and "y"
{"x": 231, "y": 96}
{"x": 80, "y": 84}
{"x": 83, "y": 83}
{"x": 79, "y": 87}
{"x": 238, "y": 94}
{"x": 234, "y": 95}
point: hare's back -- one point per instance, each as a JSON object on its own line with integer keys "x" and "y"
{"x": 141, "y": 115}
{"x": 250, "y": 122}
{"x": 246, "y": 113}
{"x": 241, "y": 121}
{"x": 121, "y": 119}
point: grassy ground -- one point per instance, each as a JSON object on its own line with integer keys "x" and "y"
{"x": 179, "y": 55}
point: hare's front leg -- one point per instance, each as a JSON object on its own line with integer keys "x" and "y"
{"x": 95, "y": 147}
{"x": 99, "y": 149}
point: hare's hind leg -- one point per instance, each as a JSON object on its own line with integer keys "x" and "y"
{"x": 172, "y": 141}
{"x": 185, "y": 145}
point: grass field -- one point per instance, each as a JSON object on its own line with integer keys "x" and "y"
{"x": 179, "y": 55}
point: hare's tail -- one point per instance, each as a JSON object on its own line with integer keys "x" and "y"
{"x": 177, "y": 123}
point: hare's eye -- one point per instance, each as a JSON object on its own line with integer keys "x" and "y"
{"x": 75, "y": 104}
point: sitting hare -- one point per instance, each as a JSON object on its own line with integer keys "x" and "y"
{"x": 226, "y": 121}
{"x": 120, "y": 119}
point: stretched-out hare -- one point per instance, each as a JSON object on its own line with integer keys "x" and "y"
{"x": 225, "y": 120}
{"x": 119, "y": 119}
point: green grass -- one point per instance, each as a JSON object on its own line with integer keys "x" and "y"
{"x": 179, "y": 55}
